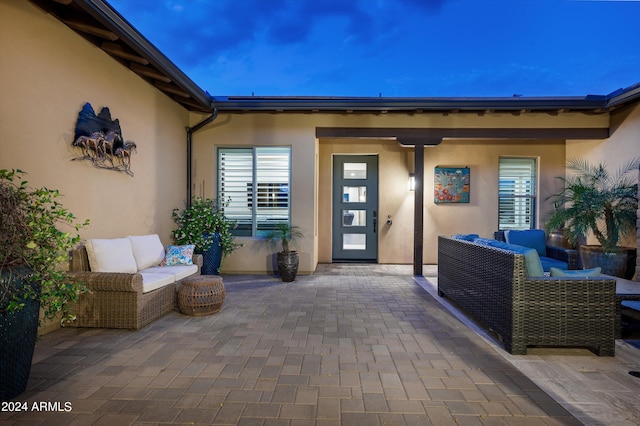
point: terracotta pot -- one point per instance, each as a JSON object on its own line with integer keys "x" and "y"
{"x": 619, "y": 264}
{"x": 288, "y": 265}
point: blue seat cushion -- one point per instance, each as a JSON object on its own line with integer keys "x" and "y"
{"x": 549, "y": 262}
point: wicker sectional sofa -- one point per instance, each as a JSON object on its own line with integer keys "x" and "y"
{"x": 131, "y": 299}
{"x": 491, "y": 285}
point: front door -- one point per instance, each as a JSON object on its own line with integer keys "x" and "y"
{"x": 355, "y": 208}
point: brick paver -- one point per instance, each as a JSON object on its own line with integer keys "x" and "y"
{"x": 349, "y": 345}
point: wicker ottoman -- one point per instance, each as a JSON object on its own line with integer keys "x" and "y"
{"x": 201, "y": 295}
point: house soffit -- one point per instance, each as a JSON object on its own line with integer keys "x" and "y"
{"x": 102, "y": 26}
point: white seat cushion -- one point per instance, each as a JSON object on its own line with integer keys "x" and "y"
{"x": 152, "y": 282}
{"x": 178, "y": 271}
{"x": 111, "y": 255}
{"x": 147, "y": 250}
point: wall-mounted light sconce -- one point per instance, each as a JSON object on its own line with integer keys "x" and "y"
{"x": 412, "y": 181}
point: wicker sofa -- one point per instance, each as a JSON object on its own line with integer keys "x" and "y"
{"x": 130, "y": 299}
{"x": 491, "y": 284}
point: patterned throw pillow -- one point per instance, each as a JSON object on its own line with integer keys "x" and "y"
{"x": 178, "y": 255}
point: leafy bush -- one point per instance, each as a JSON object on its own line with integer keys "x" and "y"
{"x": 198, "y": 223}
{"x": 30, "y": 236}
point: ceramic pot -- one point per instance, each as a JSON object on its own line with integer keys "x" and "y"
{"x": 620, "y": 263}
{"x": 18, "y": 333}
{"x": 557, "y": 239}
{"x": 288, "y": 265}
{"x": 212, "y": 258}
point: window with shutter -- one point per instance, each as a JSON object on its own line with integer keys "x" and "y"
{"x": 517, "y": 193}
{"x": 256, "y": 181}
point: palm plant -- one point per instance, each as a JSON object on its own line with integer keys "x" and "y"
{"x": 287, "y": 260}
{"x": 594, "y": 200}
{"x": 285, "y": 234}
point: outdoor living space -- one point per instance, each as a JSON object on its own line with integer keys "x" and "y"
{"x": 346, "y": 343}
{"x": 349, "y": 345}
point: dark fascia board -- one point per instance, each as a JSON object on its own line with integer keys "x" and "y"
{"x": 624, "y": 96}
{"x": 586, "y": 104}
{"x": 382, "y": 104}
{"x": 111, "y": 19}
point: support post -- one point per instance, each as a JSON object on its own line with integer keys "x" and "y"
{"x": 418, "y": 212}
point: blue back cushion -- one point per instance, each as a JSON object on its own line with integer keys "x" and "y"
{"x": 532, "y": 262}
{"x": 534, "y": 238}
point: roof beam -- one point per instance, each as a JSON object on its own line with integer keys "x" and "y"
{"x": 91, "y": 29}
{"x": 171, "y": 89}
{"x": 401, "y": 134}
{"x": 117, "y": 50}
{"x": 149, "y": 72}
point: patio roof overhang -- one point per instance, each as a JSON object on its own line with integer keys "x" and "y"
{"x": 103, "y": 26}
{"x": 515, "y": 105}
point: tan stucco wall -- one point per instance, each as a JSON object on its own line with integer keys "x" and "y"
{"x": 263, "y": 130}
{"x": 479, "y": 216}
{"x": 47, "y": 73}
{"x": 311, "y": 168}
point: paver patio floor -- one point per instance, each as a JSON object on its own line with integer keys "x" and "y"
{"x": 349, "y": 345}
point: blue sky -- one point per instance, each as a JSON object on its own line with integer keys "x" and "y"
{"x": 396, "y": 48}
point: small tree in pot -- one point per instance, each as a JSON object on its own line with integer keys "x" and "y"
{"x": 288, "y": 260}
{"x": 32, "y": 247}
{"x": 205, "y": 225}
{"x": 595, "y": 201}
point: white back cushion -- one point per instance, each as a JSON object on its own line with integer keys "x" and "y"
{"x": 111, "y": 255}
{"x": 148, "y": 250}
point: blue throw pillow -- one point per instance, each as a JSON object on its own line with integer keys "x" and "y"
{"x": 532, "y": 263}
{"x": 594, "y": 272}
{"x": 534, "y": 238}
{"x": 465, "y": 237}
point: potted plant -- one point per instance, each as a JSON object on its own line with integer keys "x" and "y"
{"x": 595, "y": 201}
{"x": 205, "y": 225}
{"x": 288, "y": 260}
{"x": 32, "y": 247}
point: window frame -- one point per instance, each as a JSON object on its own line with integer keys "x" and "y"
{"x": 253, "y": 187}
{"x": 532, "y": 188}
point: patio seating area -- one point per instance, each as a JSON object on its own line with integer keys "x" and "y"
{"x": 348, "y": 345}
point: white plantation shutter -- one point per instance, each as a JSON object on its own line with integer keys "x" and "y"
{"x": 257, "y": 181}
{"x": 235, "y": 180}
{"x": 272, "y": 180}
{"x": 517, "y": 193}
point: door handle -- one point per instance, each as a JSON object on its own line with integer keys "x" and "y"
{"x": 375, "y": 222}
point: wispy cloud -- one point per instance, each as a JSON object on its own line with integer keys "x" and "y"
{"x": 397, "y": 47}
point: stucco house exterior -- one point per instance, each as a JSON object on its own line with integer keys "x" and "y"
{"x": 57, "y": 56}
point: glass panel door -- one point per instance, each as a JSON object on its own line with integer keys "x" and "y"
{"x": 355, "y": 205}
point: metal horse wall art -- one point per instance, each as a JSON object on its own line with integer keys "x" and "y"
{"x": 101, "y": 142}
